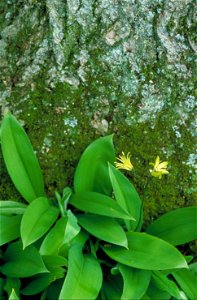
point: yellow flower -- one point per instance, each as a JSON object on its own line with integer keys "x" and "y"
{"x": 124, "y": 162}
{"x": 159, "y": 168}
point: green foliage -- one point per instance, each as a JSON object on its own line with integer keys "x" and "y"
{"x": 20, "y": 160}
{"x": 87, "y": 244}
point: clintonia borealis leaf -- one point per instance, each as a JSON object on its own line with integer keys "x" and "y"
{"x": 9, "y": 228}
{"x": 98, "y": 204}
{"x": 176, "y": 227}
{"x": 8, "y": 207}
{"x": 84, "y": 276}
{"x": 92, "y": 170}
{"x": 136, "y": 282}
{"x": 126, "y": 196}
{"x": 37, "y": 219}
{"x": 104, "y": 228}
{"x": 20, "y": 159}
{"x": 147, "y": 252}
{"x": 21, "y": 263}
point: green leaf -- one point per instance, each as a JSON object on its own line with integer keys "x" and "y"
{"x": 154, "y": 293}
{"x": 53, "y": 261}
{"x": 163, "y": 283}
{"x": 9, "y": 228}
{"x": 187, "y": 280}
{"x": 62, "y": 233}
{"x": 37, "y": 284}
{"x": 53, "y": 240}
{"x": 21, "y": 263}
{"x": 126, "y": 196}
{"x": 99, "y": 204}
{"x": 20, "y": 160}
{"x": 84, "y": 277}
{"x": 104, "y": 228}
{"x": 92, "y": 170}
{"x": 37, "y": 219}
{"x": 147, "y": 252}
{"x": 136, "y": 282}
{"x": 176, "y": 227}
{"x": 13, "y": 295}
{"x": 72, "y": 228}
{"x": 8, "y": 207}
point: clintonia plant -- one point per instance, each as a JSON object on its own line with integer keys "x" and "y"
{"x": 87, "y": 242}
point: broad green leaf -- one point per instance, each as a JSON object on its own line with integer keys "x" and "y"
{"x": 187, "y": 280}
{"x": 165, "y": 284}
{"x": 136, "y": 282}
{"x": 8, "y": 207}
{"x": 37, "y": 284}
{"x": 147, "y": 252}
{"x": 84, "y": 277}
{"x": 126, "y": 196}
{"x": 193, "y": 267}
{"x": 98, "y": 204}
{"x": 37, "y": 219}
{"x": 72, "y": 227}
{"x": 21, "y": 263}
{"x": 92, "y": 170}
{"x": 20, "y": 160}
{"x": 104, "y": 228}
{"x": 53, "y": 240}
{"x": 176, "y": 227}
{"x": 53, "y": 261}
{"x": 154, "y": 293}
{"x": 62, "y": 233}
{"x": 9, "y": 228}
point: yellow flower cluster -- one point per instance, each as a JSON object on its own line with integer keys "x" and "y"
{"x": 159, "y": 167}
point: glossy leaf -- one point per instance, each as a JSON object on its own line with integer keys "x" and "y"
{"x": 92, "y": 170}
{"x": 165, "y": 284}
{"x": 20, "y": 160}
{"x": 37, "y": 219}
{"x": 187, "y": 280}
{"x": 176, "y": 227}
{"x": 37, "y": 284}
{"x": 12, "y": 207}
{"x": 126, "y": 195}
{"x": 104, "y": 228}
{"x": 53, "y": 240}
{"x": 136, "y": 282}
{"x": 154, "y": 293}
{"x": 99, "y": 204}
{"x": 9, "y": 228}
{"x": 21, "y": 263}
{"x": 147, "y": 252}
{"x": 72, "y": 227}
{"x": 84, "y": 277}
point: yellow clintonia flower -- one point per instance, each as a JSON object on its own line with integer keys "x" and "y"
{"x": 124, "y": 162}
{"x": 159, "y": 168}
